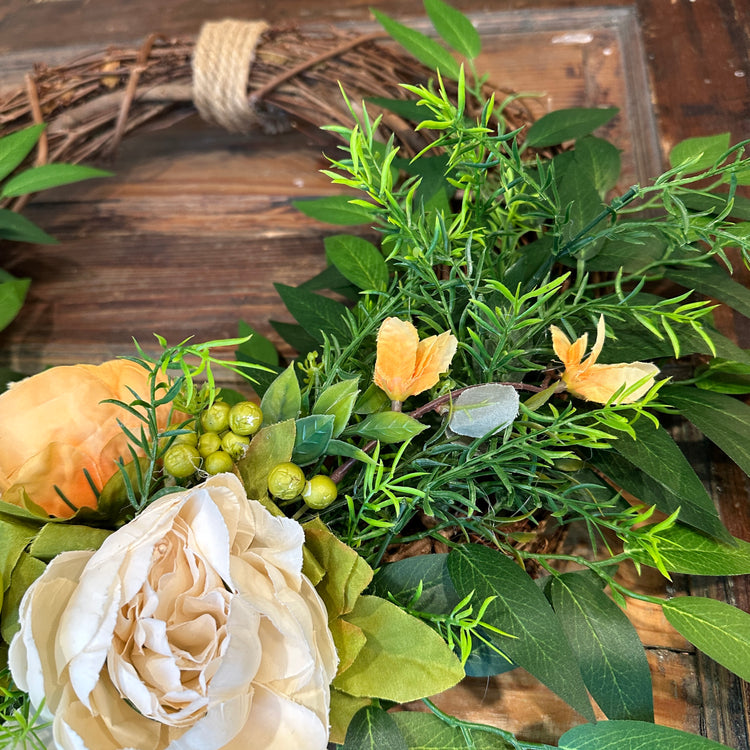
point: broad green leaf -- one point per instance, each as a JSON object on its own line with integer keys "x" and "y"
{"x": 714, "y": 282}
{"x": 632, "y": 735}
{"x": 348, "y": 640}
{"x": 389, "y": 427}
{"x": 372, "y": 400}
{"x": 342, "y": 711}
{"x": 312, "y": 437}
{"x": 270, "y": 446}
{"x": 426, "y": 50}
{"x": 18, "y": 228}
{"x": 406, "y": 108}
{"x": 718, "y": 629}
{"x": 724, "y": 376}
{"x": 454, "y": 27}
{"x": 706, "y": 150}
{"x": 357, "y": 260}
{"x": 282, "y": 400}
{"x": 257, "y": 348}
{"x": 567, "y": 125}
{"x": 48, "y": 176}
{"x": 484, "y": 410}
{"x": 320, "y": 316}
{"x": 26, "y": 571}
{"x": 348, "y": 450}
{"x": 12, "y": 295}
{"x": 55, "y": 538}
{"x": 14, "y": 148}
{"x": 335, "y": 209}
{"x": 582, "y": 201}
{"x": 423, "y": 731}
{"x": 724, "y": 420}
{"x": 15, "y": 535}
{"x": 520, "y": 608}
{"x": 338, "y": 400}
{"x": 296, "y": 336}
{"x": 331, "y": 278}
{"x": 612, "y": 660}
{"x": 684, "y": 550}
{"x": 600, "y": 159}
{"x": 415, "y": 658}
{"x": 655, "y": 470}
{"x": 372, "y": 728}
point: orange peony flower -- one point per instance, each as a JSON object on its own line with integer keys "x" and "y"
{"x": 593, "y": 382}
{"x": 53, "y": 426}
{"x": 406, "y": 366}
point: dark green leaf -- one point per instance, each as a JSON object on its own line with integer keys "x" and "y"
{"x": 612, "y": 660}
{"x": 718, "y": 629}
{"x": 632, "y": 735}
{"x": 426, "y": 50}
{"x": 724, "y": 376}
{"x": 454, "y": 27}
{"x": 684, "y": 550}
{"x": 258, "y": 348}
{"x": 312, "y": 438}
{"x": 520, "y": 608}
{"x": 714, "y": 282}
{"x": 14, "y": 148}
{"x": 48, "y": 176}
{"x": 717, "y": 203}
{"x": 655, "y": 470}
{"x": 12, "y": 295}
{"x": 579, "y": 196}
{"x": 338, "y": 400}
{"x": 406, "y": 108}
{"x": 18, "y": 228}
{"x": 357, "y": 260}
{"x": 600, "y": 160}
{"x": 389, "y": 427}
{"x": 724, "y": 420}
{"x": 373, "y": 729}
{"x": 706, "y": 150}
{"x": 283, "y": 399}
{"x": 567, "y": 125}
{"x": 331, "y": 278}
{"x": 296, "y": 336}
{"x": 318, "y": 315}
{"x": 423, "y": 731}
{"x": 335, "y": 209}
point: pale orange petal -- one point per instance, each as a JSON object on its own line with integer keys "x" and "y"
{"x": 601, "y": 382}
{"x": 396, "y": 357}
{"x": 596, "y": 349}
{"x": 434, "y": 355}
{"x": 569, "y": 354}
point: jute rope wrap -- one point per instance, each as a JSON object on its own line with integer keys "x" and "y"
{"x": 223, "y": 56}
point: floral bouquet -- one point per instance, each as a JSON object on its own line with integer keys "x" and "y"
{"x": 286, "y": 563}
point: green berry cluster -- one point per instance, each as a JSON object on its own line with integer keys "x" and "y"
{"x": 224, "y": 437}
{"x": 286, "y": 481}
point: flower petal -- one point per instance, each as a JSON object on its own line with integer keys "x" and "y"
{"x": 396, "y": 357}
{"x": 434, "y": 355}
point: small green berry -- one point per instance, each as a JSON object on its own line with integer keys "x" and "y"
{"x": 245, "y": 418}
{"x": 319, "y": 492}
{"x": 209, "y": 443}
{"x": 235, "y": 445}
{"x": 181, "y": 460}
{"x": 216, "y": 417}
{"x": 286, "y": 481}
{"x": 218, "y": 462}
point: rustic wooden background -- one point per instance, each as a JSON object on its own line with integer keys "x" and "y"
{"x": 189, "y": 235}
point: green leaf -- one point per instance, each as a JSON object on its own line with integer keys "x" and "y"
{"x": 331, "y": 278}
{"x": 342, "y": 711}
{"x": 14, "y": 148}
{"x": 706, "y": 150}
{"x": 724, "y": 376}
{"x": 372, "y": 728}
{"x": 296, "y": 336}
{"x": 48, "y": 176}
{"x": 389, "y": 427}
{"x": 454, "y": 27}
{"x": 12, "y": 295}
{"x": 520, "y": 608}
{"x": 257, "y": 348}
{"x": 426, "y": 50}
{"x": 338, "y": 400}
{"x": 567, "y": 125}
{"x": 600, "y": 160}
{"x": 484, "y": 410}
{"x": 416, "y": 659}
{"x": 18, "y": 228}
{"x": 270, "y": 446}
{"x": 714, "y": 282}
{"x": 55, "y": 538}
{"x": 372, "y": 400}
{"x": 579, "y": 196}
{"x": 335, "y": 209}
{"x": 684, "y": 550}
{"x": 15, "y": 535}
{"x": 26, "y": 571}
{"x": 612, "y": 660}
{"x": 724, "y": 420}
{"x": 406, "y": 108}
{"x": 718, "y": 629}
{"x": 655, "y": 470}
{"x": 318, "y": 315}
{"x": 312, "y": 438}
{"x": 423, "y": 731}
{"x": 358, "y": 260}
{"x": 632, "y": 735}
{"x": 282, "y": 400}
{"x": 342, "y": 448}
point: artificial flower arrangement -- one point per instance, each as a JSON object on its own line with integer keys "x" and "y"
{"x": 186, "y": 567}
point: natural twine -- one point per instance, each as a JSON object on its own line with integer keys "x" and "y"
{"x": 223, "y": 56}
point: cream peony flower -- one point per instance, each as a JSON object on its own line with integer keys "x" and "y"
{"x": 191, "y": 628}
